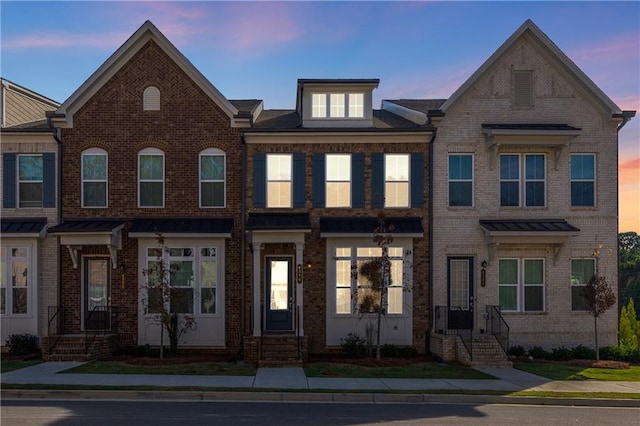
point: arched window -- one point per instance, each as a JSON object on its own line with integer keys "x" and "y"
{"x": 95, "y": 174}
{"x": 212, "y": 178}
{"x": 151, "y": 99}
{"x": 151, "y": 178}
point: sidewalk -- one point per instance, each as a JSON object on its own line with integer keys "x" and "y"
{"x": 294, "y": 379}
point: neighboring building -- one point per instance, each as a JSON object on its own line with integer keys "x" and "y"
{"x": 28, "y": 257}
{"x": 317, "y": 177}
{"x": 151, "y": 148}
{"x": 525, "y": 196}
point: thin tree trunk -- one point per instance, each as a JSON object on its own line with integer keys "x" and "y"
{"x": 161, "y": 340}
{"x": 595, "y": 326}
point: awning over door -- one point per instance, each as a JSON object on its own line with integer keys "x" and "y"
{"x": 24, "y": 228}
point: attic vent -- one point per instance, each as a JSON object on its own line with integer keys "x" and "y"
{"x": 522, "y": 89}
{"x": 151, "y": 99}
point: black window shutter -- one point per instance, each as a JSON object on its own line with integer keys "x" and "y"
{"x": 377, "y": 180}
{"x": 259, "y": 180}
{"x": 49, "y": 179}
{"x": 319, "y": 175}
{"x": 357, "y": 180}
{"x": 9, "y": 180}
{"x": 417, "y": 180}
{"x": 298, "y": 184}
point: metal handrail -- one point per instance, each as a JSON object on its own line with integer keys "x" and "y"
{"x": 497, "y": 326}
{"x": 55, "y": 317}
{"x": 103, "y": 324}
{"x": 467, "y": 343}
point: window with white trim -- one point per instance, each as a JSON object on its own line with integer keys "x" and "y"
{"x": 14, "y": 280}
{"x": 151, "y": 178}
{"x": 582, "y": 270}
{"x": 521, "y": 285}
{"x": 279, "y": 181}
{"x": 396, "y": 180}
{"x": 583, "y": 180}
{"x": 522, "y": 180}
{"x": 212, "y": 178}
{"x": 337, "y": 105}
{"x": 354, "y": 293}
{"x": 338, "y": 190}
{"x": 30, "y": 179}
{"x": 460, "y": 180}
{"x": 94, "y": 178}
{"x": 192, "y": 274}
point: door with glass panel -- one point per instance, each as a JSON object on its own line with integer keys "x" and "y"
{"x": 460, "y": 293}
{"x": 279, "y": 294}
{"x": 97, "y": 294}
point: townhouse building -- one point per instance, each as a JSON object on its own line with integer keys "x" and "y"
{"x": 524, "y": 199}
{"x": 497, "y": 204}
{"x": 28, "y": 257}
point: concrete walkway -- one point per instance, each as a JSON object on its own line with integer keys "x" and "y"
{"x": 282, "y": 379}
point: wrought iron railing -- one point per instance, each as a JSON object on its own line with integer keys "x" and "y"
{"x": 55, "y": 324}
{"x": 99, "y": 321}
{"x": 497, "y": 326}
{"x": 442, "y": 326}
{"x": 466, "y": 337}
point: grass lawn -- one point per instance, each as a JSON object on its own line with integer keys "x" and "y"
{"x": 10, "y": 365}
{"x": 570, "y": 372}
{"x": 422, "y": 370}
{"x": 196, "y": 368}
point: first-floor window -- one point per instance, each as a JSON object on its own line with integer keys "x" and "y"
{"x": 190, "y": 280}
{"x": 14, "y": 279}
{"x": 582, "y": 270}
{"x": 521, "y": 285}
{"x": 355, "y": 293}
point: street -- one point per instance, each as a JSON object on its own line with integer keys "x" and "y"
{"x": 157, "y": 413}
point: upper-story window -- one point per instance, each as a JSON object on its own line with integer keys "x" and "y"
{"x": 522, "y": 180}
{"x": 151, "y": 178}
{"x": 460, "y": 180}
{"x": 337, "y": 105}
{"x": 94, "y": 178}
{"x": 338, "y": 180}
{"x": 151, "y": 99}
{"x": 279, "y": 178}
{"x": 583, "y": 178}
{"x": 396, "y": 180}
{"x": 30, "y": 178}
{"x": 212, "y": 178}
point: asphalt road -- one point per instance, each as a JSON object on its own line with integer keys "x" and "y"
{"x": 158, "y": 413}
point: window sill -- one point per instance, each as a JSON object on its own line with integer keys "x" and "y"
{"x": 518, "y": 313}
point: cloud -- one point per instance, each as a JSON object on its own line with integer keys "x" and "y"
{"x": 620, "y": 49}
{"x": 65, "y": 40}
{"x": 629, "y": 195}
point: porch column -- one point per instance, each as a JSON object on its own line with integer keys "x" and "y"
{"x": 257, "y": 313}
{"x": 299, "y": 301}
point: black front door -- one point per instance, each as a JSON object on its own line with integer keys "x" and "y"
{"x": 279, "y": 297}
{"x": 97, "y": 293}
{"x": 460, "y": 292}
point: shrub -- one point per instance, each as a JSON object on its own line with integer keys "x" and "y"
{"x": 23, "y": 344}
{"x": 353, "y": 346}
{"x": 389, "y": 350}
{"x": 407, "y": 352}
{"x": 516, "y": 351}
{"x": 583, "y": 352}
{"x": 561, "y": 354}
{"x": 617, "y": 353}
{"x": 537, "y": 352}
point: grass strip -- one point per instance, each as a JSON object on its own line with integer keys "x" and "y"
{"x": 570, "y": 372}
{"x": 424, "y": 370}
{"x": 12, "y": 365}
{"x": 189, "y": 369}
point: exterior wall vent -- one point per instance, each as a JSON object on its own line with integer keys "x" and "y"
{"x": 151, "y": 99}
{"x": 522, "y": 89}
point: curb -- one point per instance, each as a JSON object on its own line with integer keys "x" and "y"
{"x": 337, "y": 397}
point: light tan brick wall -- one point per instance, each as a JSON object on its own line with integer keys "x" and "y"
{"x": 558, "y": 99}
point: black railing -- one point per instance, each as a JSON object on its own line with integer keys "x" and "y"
{"x": 497, "y": 326}
{"x": 440, "y": 319}
{"x": 466, "y": 337}
{"x": 55, "y": 321}
{"x": 98, "y": 321}
{"x": 441, "y": 323}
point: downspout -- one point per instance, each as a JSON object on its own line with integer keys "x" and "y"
{"x": 243, "y": 209}
{"x": 56, "y": 133}
{"x": 431, "y": 313}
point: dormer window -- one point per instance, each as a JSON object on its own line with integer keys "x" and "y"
{"x": 337, "y": 105}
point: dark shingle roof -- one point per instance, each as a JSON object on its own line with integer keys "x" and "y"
{"x": 23, "y": 226}
{"x": 277, "y": 119}
{"x": 246, "y": 105}
{"x": 525, "y": 225}
{"x": 421, "y": 105}
{"x": 367, "y": 225}
{"x": 265, "y": 221}
{"x": 32, "y": 126}
{"x": 186, "y": 225}
{"x": 528, "y": 126}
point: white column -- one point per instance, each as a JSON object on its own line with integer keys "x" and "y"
{"x": 299, "y": 300}
{"x": 257, "y": 313}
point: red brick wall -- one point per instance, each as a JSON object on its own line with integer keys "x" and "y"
{"x": 187, "y": 122}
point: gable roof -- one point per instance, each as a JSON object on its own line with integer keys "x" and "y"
{"x": 22, "y": 106}
{"x": 530, "y": 29}
{"x": 120, "y": 57}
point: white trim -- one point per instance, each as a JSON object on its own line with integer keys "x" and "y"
{"x": 472, "y": 181}
{"x": 210, "y": 152}
{"x": 94, "y": 151}
{"x": 594, "y": 180}
{"x": 327, "y": 181}
{"x": 157, "y": 153}
{"x": 520, "y": 285}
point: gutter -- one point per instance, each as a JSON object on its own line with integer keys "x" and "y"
{"x": 56, "y": 136}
